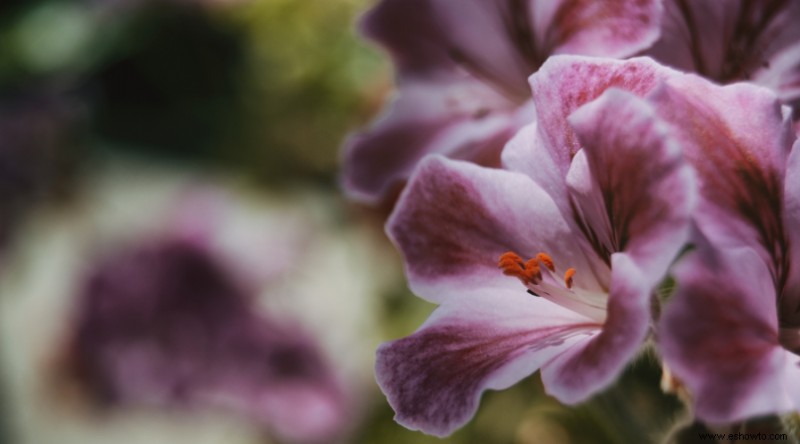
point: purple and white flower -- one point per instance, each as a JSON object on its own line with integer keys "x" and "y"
{"x": 584, "y": 219}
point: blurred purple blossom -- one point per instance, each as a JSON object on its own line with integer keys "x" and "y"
{"x": 164, "y": 321}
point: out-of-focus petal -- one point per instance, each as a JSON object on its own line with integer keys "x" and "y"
{"x": 734, "y": 40}
{"x": 427, "y": 38}
{"x": 458, "y": 118}
{"x": 719, "y": 335}
{"x": 594, "y": 364}
{"x": 489, "y": 340}
{"x": 694, "y": 35}
{"x": 630, "y": 187}
{"x": 455, "y": 219}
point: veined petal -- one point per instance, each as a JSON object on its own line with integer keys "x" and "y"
{"x": 429, "y": 38}
{"x": 695, "y": 35}
{"x": 734, "y": 40}
{"x": 737, "y": 137}
{"x": 455, "y": 219}
{"x": 631, "y": 190}
{"x": 616, "y": 28}
{"x": 503, "y": 41}
{"x": 594, "y": 364}
{"x": 719, "y": 335}
{"x": 565, "y": 83}
{"x": 460, "y": 118}
{"x": 434, "y": 378}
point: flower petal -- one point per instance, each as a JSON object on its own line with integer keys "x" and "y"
{"x": 527, "y": 153}
{"x": 631, "y": 190}
{"x": 694, "y": 35}
{"x": 719, "y": 335}
{"x": 428, "y": 38}
{"x": 782, "y": 75}
{"x": 458, "y": 118}
{"x": 737, "y": 137}
{"x": 594, "y": 364}
{"x": 790, "y": 297}
{"x": 615, "y": 28}
{"x": 455, "y": 219}
{"x": 734, "y": 40}
{"x": 434, "y": 378}
{"x": 502, "y": 42}
{"x": 565, "y": 83}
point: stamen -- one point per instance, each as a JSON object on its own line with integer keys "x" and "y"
{"x": 512, "y": 265}
{"x": 568, "y": 275}
{"x": 532, "y": 272}
{"x": 545, "y": 259}
{"x": 511, "y": 255}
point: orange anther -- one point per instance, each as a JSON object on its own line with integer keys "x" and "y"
{"x": 532, "y": 271}
{"x": 512, "y": 265}
{"x": 568, "y": 275}
{"x": 546, "y": 260}
{"x": 510, "y": 256}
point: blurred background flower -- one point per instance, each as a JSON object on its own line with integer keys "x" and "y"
{"x": 115, "y": 115}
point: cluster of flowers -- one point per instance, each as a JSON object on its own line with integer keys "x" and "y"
{"x": 562, "y": 223}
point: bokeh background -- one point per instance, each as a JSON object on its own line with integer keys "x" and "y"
{"x": 107, "y": 107}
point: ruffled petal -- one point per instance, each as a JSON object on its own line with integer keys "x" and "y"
{"x": 631, "y": 190}
{"x": 455, "y": 219}
{"x": 565, "y": 83}
{"x": 737, "y": 137}
{"x": 719, "y": 335}
{"x": 594, "y": 364}
{"x": 434, "y": 378}
{"x": 460, "y": 118}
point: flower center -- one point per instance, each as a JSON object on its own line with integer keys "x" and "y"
{"x": 530, "y": 271}
{"x": 539, "y": 275}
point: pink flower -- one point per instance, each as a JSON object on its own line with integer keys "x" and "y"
{"x": 731, "y": 333}
{"x": 734, "y": 40}
{"x": 584, "y": 220}
{"x": 461, "y": 75}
